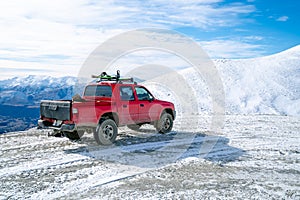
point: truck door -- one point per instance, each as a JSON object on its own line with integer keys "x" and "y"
{"x": 145, "y": 100}
{"x": 129, "y": 107}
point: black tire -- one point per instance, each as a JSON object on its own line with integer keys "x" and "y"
{"x": 134, "y": 127}
{"x": 165, "y": 123}
{"x": 106, "y": 132}
{"x": 76, "y": 135}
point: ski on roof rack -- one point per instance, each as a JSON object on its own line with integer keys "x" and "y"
{"x": 117, "y": 78}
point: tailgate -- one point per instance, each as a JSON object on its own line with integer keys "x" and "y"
{"x": 60, "y": 110}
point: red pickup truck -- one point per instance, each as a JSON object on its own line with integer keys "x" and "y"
{"x": 106, "y": 105}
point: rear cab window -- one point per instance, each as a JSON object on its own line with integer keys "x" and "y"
{"x": 98, "y": 90}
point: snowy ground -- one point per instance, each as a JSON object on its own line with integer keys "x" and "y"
{"x": 256, "y": 157}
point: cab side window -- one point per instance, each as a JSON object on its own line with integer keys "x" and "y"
{"x": 126, "y": 93}
{"x": 143, "y": 94}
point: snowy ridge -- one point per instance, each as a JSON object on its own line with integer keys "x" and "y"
{"x": 263, "y": 85}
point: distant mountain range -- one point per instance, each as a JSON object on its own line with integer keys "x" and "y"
{"x": 265, "y": 85}
{"x": 31, "y": 89}
{"x": 20, "y": 98}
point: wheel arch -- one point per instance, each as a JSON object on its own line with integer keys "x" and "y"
{"x": 169, "y": 111}
{"x": 110, "y": 115}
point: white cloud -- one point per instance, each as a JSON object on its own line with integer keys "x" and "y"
{"x": 205, "y": 14}
{"x": 63, "y": 32}
{"x": 282, "y": 18}
{"x": 231, "y": 49}
{"x": 253, "y": 38}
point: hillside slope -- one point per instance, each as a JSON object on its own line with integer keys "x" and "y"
{"x": 263, "y": 85}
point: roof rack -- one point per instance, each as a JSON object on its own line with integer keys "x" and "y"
{"x": 117, "y": 78}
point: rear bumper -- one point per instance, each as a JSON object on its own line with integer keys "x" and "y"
{"x": 63, "y": 127}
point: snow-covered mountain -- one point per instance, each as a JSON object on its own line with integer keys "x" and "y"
{"x": 20, "y": 98}
{"x": 31, "y": 89}
{"x": 265, "y": 85}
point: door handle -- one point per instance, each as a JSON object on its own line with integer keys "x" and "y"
{"x": 124, "y": 106}
{"x": 142, "y": 105}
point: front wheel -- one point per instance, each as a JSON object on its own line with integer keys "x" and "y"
{"x": 106, "y": 132}
{"x": 165, "y": 123}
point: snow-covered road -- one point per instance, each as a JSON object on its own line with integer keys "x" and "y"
{"x": 255, "y": 157}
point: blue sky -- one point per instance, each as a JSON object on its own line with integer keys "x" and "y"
{"x": 56, "y": 36}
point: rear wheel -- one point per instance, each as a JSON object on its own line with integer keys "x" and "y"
{"x": 165, "y": 123}
{"x": 106, "y": 132}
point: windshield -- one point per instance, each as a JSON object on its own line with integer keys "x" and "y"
{"x": 98, "y": 90}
